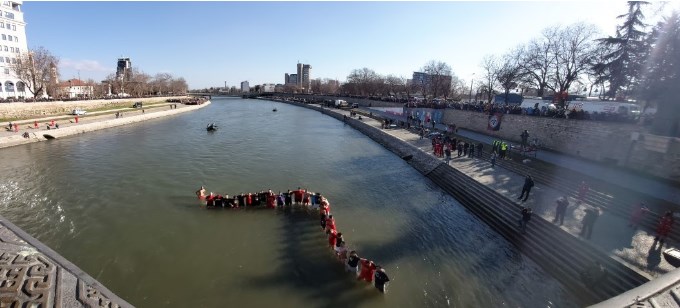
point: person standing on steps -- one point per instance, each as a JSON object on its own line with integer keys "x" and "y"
{"x": 589, "y": 222}
{"x": 528, "y": 184}
{"x": 493, "y": 159}
{"x": 582, "y": 192}
{"x": 638, "y": 212}
{"x": 562, "y": 204}
{"x": 480, "y": 146}
{"x": 525, "y": 138}
{"x": 471, "y": 152}
{"x": 448, "y": 155}
{"x": 526, "y": 216}
{"x": 664, "y": 228}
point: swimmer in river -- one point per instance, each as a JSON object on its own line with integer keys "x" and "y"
{"x": 381, "y": 279}
{"x": 201, "y": 193}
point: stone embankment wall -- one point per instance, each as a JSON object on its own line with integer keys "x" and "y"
{"x": 622, "y": 144}
{"x": 21, "y": 110}
{"x": 362, "y": 102}
{"x": 83, "y": 128}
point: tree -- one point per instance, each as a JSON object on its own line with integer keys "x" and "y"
{"x": 439, "y": 75}
{"x": 34, "y": 69}
{"x": 572, "y": 52}
{"x": 509, "y": 72}
{"x": 490, "y": 66}
{"x": 364, "y": 79}
{"x": 624, "y": 61}
{"x": 537, "y": 60}
{"x": 662, "y": 75}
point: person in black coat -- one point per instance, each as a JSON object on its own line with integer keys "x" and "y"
{"x": 528, "y": 184}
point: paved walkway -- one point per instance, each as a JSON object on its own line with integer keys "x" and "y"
{"x": 611, "y": 234}
{"x": 629, "y": 180}
{"x": 69, "y": 120}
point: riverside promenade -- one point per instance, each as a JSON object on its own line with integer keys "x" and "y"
{"x": 89, "y": 122}
{"x": 628, "y": 254}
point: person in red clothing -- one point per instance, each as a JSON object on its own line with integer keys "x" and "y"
{"x": 664, "y": 228}
{"x": 332, "y": 238}
{"x": 249, "y": 199}
{"x": 35, "y": 124}
{"x": 330, "y": 223}
{"x": 16, "y": 128}
{"x": 298, "y": 195}
{"x": 305, "y": 197}
{"x": 271, "y": 199}
{"x": 367, "y": 270}
{"x": 325, "y": 206}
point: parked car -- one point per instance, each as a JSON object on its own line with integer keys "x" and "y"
{"x": 137, "y": 105}
{"x": 78, "y": 112}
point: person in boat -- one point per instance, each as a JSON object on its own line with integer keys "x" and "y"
{"x": 241, "y": 199}
{"x": 200, "y": 193}
{"x": 341, "y": 251}
{"x": 367, "y": 270}
{"x": 249, "y": 199}
{"x": 381, "y": 279}
{"x": 298, "y": 195}
{"x": 305, "y": 198}
{"x": 228, "y": 202}
{"x": 339, "y": 240}
{"x": 271, "y": 199}
{"x": 325, "y": 206}
{"x": 352, "y": 264}
{"x": 289, "y": 198}
{"x": 219, "y": 202}
{"x": 322, "y": 216}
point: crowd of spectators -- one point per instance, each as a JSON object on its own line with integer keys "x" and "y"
{"x": 68, "y": 99}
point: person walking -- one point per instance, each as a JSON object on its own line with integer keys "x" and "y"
{"x": 460, "y": 148}
{"x": 638, "y": 212}
{"x": 471, "y": 152}
{"x": 525, "y": 138}
{"x": 528, "y": 184}
{"x": 562, "y": 204}
{"x": 589, "y": 222}
{"x": 448, "y": 155}
{"x": 526, "y": 216}
{"x": 664, "y": 228}
{"x": 494, "y": 155}
{"x": 479, "y": 149}
{"x": 466, "y": 146}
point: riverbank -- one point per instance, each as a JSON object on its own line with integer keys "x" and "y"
{"x": 561, "y": 254}
{"x": 89, "y": 123}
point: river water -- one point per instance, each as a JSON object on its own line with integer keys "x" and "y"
{"x": 119, "y": 204}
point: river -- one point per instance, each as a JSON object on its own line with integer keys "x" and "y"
{"x": 119, "y": 204}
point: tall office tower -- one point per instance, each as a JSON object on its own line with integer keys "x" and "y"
{"x": 299, "y": 74}
{"x": 307, "y": 77}
{"x": 14, "y": 44}
{"x": 124, "y": 69}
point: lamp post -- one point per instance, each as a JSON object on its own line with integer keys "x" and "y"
{"x": 471, "y": 82}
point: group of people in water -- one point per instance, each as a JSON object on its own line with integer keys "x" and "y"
{"x": 363, "y": 268}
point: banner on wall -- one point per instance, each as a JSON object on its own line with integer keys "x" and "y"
{"x": 494, "y": 122}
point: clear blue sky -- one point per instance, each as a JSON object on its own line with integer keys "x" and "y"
{"x": 209, "y": 43}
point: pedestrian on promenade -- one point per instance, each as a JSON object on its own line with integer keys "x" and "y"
{"x": 526, "y": 216}
{"x": 562, "y": 204}
{"x": 471, "y": 152}
{"x": 582, "y": 192}
{"x": 460, "y": 148}
{"x": 638, "y": 212}
{"x": 466, "y": 146}
{"x": 526, "y": 188}
{"x": 10, "y": 126}
{"x": 422, "y": 133}
{"x": 35, "y": 124}
{"x": 589, "y": 221}
{"x": 479, "y": 149}
{"x": 16, "y": 128}
{"x": 494, "y": 155}
{"x": 448, "y": 155}
{"x": 664, "y": 228}
{"x": 525, "y": 138}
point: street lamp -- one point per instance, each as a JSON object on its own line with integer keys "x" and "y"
{"x": 471, "y": 82}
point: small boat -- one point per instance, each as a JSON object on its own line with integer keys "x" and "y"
{"x": 672, "y": 255}
{"x": 211, "y": 127}
{"x": 274, "y": 110}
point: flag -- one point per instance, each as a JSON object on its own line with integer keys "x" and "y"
{"x": 495, "y": 121}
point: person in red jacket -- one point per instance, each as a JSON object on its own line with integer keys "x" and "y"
{"x": 325, "y": 206}
{"x": 330, "y": 223}
{"x": 298, "y": 195}
{"x": 305, "y": 198}
{"x": 367, "y": 270}
{"x": 249, "y": 199}
{"x": 332, "y": 238}
{"x": 271, "y": 199}
{"x": 664, "y": 228}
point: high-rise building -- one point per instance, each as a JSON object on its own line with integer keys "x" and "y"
{"x": 245, "y": 86}
{"x": 124, "y": 69}
{"x": 293, "y": 79}
{"x": 287, "y": 79}
{"x": 299, "y": 74}
{"x": 13, "y": 33}
{"x": 306, "y": 77}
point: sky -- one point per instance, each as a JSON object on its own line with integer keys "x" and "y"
{"x": 210, "y": 43}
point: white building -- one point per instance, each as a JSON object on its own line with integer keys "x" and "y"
{"x": 268, "y": 88}
{"x": 245, "y": 87}
{"x": 12, "y": 45}
{"x": 75, "y": 88}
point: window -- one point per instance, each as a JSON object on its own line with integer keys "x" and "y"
{"x": 6, "y": 58}
{"x": 14, "y": 27}
{"x": 6, "y": 50}
{"x": 9, "y": 15}
{"x": 16, "y": 39}
{"x": 10, "y": 38}
{"x": 2, "y": 24}
{"x": 6, "y": 71}
{"x": 2, "y": 60}
{"x": 16, "y": 49}
{"x": 11, "y": 49}
{"x": 14, "y": 61}
{"x": 4, "y": 37}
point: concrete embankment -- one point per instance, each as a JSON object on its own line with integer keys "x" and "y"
{"x": 42, "y": 135}
{"x": 559, "y": 253}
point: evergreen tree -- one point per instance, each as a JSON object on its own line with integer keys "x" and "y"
{"x": 622, "y": 65}
{"x": 661, "y": 76}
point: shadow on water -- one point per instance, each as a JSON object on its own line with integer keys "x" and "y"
{"x": 309, "y": 266}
